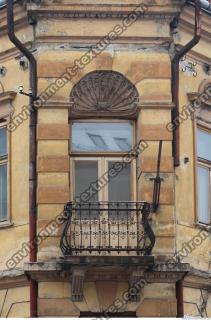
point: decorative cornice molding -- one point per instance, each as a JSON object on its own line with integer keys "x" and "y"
{"x": 198, "y": 57}
{"x": 192, "y": 96}
{"x": 20, "y": 15}
{"x": 143, "y": 104}
{"x": 187, "y": 21}
{"x": 205, "y": 84}
{"x": 7, "y": 97}
{"x": 156, "y": 104}
{"x": 13, "y": 53}
{"x": 198, "y": 279}
{"x": 101, "y": 10}
{"x": 102, "y": 271}
{"x": 6, "y": 108}
{"x": 12, "y": 278}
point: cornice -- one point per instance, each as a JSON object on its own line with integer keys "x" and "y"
{"x": 13, "y": 53}
{"x": 98, "y": 269}
{"x": 100, "y": 10}
{"x": 157, "y": 104}
{"x": 143, "y": 104}
{"x": 7, "y": 97}
{"x": 198, "y": 279}
{"x": 192, "y": 96}
{"x": 12, "y": 278}
{"x": 6, "y": 107}
{"x": 187, "y": 22}
{"x": 20, "y": 16}
{"x": 199, "y": 57}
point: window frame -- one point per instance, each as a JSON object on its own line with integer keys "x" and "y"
{"x": 204, "y": 163}
{"x": 108, "y": 155}
{"x": 5, "y": 159}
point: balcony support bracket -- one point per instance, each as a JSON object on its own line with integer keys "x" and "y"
{"x": 77, "y": 285}
{"x": 135, "y": 285}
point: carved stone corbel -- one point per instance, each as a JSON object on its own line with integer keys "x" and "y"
{"x": 77, "y": 285}
{"x": 135, "y": 285}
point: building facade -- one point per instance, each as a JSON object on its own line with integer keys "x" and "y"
{"x": 105, "y": 140}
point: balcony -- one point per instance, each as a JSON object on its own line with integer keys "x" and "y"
{"x": 107, "y": 228}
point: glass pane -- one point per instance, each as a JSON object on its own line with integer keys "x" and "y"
{"x": 86, "y": 172}
{"x": 3, "y": 192}
{"x": 98, "y": 142}
{"x": 104, "y": 136}
{"x": 204, "y": 144}
{"x": 203, "y": 195}
{"x": 119, "y": 186}
{"x": 3, "y": 141}
{"x": 122, "y": 143}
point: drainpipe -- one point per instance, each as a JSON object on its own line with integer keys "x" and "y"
{"x": 175, "y": 79}
{"x": 175, "y": 114}
{"x": 180, "y": 300}
{"x": 32, "y": 150}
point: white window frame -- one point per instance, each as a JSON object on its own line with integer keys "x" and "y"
{"x": 204, "y": 163}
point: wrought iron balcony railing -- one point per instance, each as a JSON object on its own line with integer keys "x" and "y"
{"x": 106, "y": 227}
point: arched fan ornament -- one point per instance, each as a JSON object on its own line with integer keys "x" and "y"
{"x": 205, "y": 91}
{"x": 104, "y": 92}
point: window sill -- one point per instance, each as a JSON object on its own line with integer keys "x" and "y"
{"x": 203, "y": 226}
{"x": 6, "y": 224}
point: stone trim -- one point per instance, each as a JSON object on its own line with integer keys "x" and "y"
{"x": 53, "y": 164}
{"x": 99, "y": 269}
{"x": 51, "y": 195}
{"x": 50, "y": 131}
{"x": 13, "y": 278}
{"x": 198, "y": 279}
{"x": 6, "y": 108}
{"x": 149, "y": 164}
{"x": 154, "y": 132}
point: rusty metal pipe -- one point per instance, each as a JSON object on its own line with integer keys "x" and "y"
{"x": 32, "y": 150}
{"x": 180, "y": 300}
{"x": 175, "y": 79}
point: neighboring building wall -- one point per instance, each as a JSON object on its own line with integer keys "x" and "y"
{"x": 191, "y": 85}
{"x": 14, "y": 295}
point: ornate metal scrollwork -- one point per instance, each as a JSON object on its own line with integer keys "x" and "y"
{"x": 118, "y": 227}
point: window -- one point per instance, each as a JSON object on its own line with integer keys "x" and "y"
{"x": 102, "y": 179}
{"x": 3, "y": 174}
{"x": 104, "y": 174}
{"x": 122, "y": 143}
{"x": 102, "y": 136}
{"x": 98, "y": 142}
{"x": 204, "y": 175}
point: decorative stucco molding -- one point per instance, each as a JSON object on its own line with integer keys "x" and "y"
{"x": 6, "y": 108}
{"x": 202, "y": 88}
{"x": 104, "y": 92}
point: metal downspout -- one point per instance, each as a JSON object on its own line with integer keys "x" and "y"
{"x": 175, "y": 80}
{"x": 32, "y": 151}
